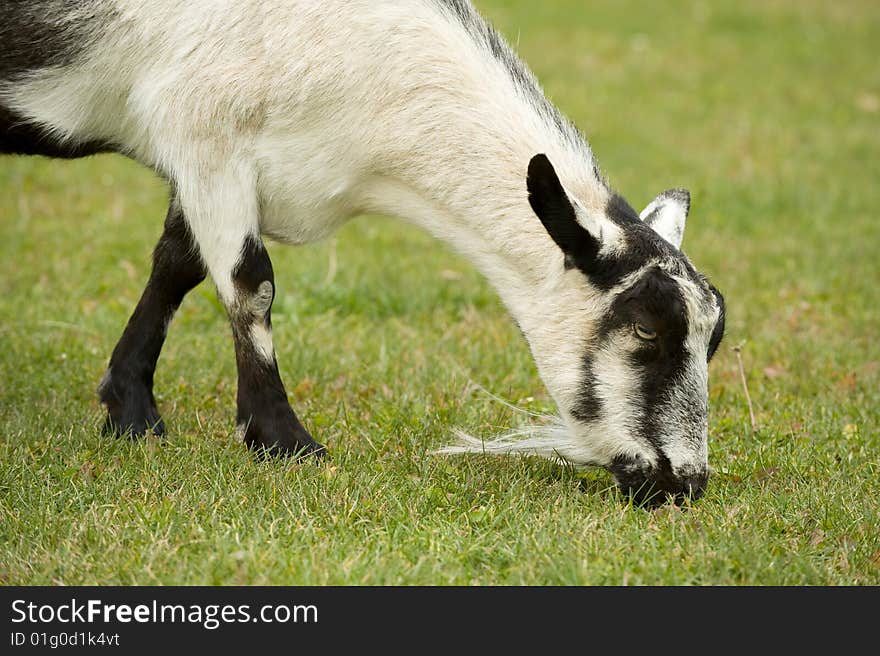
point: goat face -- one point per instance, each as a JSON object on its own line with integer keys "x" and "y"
{"x": 636, "y": 392}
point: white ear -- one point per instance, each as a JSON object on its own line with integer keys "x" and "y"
{"x": 666, "y": 214}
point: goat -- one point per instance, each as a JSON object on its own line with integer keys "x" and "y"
{"x": 284, "y": 118}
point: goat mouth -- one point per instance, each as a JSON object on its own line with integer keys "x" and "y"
{"x": 654, "y": 493}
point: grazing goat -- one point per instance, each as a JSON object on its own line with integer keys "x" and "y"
{"x": 283, "y": 119}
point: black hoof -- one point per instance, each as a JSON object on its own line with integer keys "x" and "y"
{"x": 131, "y": 409}
{"x": 133, "y": 427}
{"x": 279, "y": 433}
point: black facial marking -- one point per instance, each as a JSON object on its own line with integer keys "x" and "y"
{"x": 658, "y": 301}
{"x": 127, "y": 387}
{"x": 655, "y": 302}
{"x": 587, "y": 406}
{"x": 718, "y": 331}
{"x": 642, "y": 245}
{"x": 620, "y": 211}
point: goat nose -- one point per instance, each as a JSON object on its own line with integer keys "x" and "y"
{"x": 694, "y": 486}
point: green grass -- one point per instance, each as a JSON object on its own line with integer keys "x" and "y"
{"x": 767, "y": 111}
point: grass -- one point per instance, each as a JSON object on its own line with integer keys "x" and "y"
{"x": 768, "y": 111}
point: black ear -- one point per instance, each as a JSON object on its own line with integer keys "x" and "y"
{"x": 550, "y": 202}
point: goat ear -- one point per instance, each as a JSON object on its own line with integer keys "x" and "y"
{"x": 667, "y": 213}
{"x": 556, "y": 211}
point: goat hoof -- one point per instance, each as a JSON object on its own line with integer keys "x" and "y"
{"x": 132, "y": 426}
{"x": 299, "y": 450}
{"x": 280, "y": 435}
{"x": 131, "y": 410}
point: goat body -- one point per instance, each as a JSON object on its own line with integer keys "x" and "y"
{"x": 285, "y": 118}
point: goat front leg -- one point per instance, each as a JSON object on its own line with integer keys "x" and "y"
{"x": 127, "y": 387}
{"x": 225, "y": 226}
{"x": 265, "y": 419}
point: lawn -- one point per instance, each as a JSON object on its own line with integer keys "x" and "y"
{"x": 769, "y": 111}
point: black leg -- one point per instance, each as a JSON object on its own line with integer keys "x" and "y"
{"x": 127, "y": 387}
{"x": 266, "y": 421}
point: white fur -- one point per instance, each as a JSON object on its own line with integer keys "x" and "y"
{"x": 617, "y": 387}
{"x": 257, "y": 309}
{"x": 261, "y": 338}
{"x": 666, "y": 214}
{"x": 609, "y": 235}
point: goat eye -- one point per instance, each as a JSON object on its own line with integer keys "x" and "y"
{"x": 644, "y": 333}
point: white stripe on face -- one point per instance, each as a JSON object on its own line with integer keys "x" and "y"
{"x": 617, "y": 387}
{"x": 685, "y": 419}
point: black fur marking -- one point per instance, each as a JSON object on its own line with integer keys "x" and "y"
{"x": 581, "y": 250}
{"x": 642, "y": 245}
{"x": 44, "y": 33}
{"x": 40, "y": 34}
{"x": 651, "y": 487}
{"x": 18, "y": 137}
{"x": 620, "y": 211}
{"x": 271, "y": 427}
{"x": 656, "y": 302}
{"x": 488, "y": 38}
{"x": 127, "y": 387}
{"x": 718, "y": 331}
{"x": 254, "y": 266}
{"x": 587, "y": 406}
